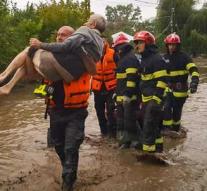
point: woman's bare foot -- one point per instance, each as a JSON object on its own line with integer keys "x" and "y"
{"x": 18, "y": 62}
{"x": 4, "y": 90}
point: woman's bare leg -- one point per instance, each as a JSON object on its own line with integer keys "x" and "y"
{"x": 16, "y": 63}
{"x": 29, "y": 66}
{"x": 19, "y": 74}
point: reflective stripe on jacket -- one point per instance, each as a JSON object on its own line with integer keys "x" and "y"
{"x": 128, "y": 75}
{"x": 154, "y": 76}
{"x": 180, "y": 66}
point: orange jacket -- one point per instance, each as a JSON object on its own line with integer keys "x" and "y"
{"x": 105, "y": 71}
{"x": 76, "y": 93}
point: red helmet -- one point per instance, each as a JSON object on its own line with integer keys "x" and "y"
{"x": 172, "y": 39}
{"x": 120, "y": 39}
{"x": 145, "y": 36}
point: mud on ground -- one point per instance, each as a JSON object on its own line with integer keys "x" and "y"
{"x": 111, "y": 169}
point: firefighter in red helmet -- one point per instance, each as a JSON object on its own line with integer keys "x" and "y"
{"x": 172, "y": 39}
{"x": 120, "y": 39}
{"x": 180, "y": 67}
{"x": 152, "y": 86}
{"x": 145, "y": 36}
{"x": 127, "y": 91}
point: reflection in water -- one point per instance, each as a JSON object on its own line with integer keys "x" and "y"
{"x": 23, "y": 141}
{"x": 23, "y": 131}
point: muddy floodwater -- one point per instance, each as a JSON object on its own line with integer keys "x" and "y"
{"x": 26, "y": 164}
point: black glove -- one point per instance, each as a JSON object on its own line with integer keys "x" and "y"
{"x": 193, "y": 87}
{"x": 126, "y": 100}
{"x": 154, "y": 107}
{"x": 168, "y": 100}
{"x": 153, "y": 103}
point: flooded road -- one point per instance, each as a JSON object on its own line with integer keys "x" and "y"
{"x": 27, "y": 164}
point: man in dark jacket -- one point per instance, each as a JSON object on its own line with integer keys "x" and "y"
{"x": 180, "y": 67}
{"x": 62, "y": 34}
{"x": 152, "y": 85}
{"x": 67, "y": 107}
{"x": 127, "y": 91}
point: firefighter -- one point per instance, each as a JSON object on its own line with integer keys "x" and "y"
{"x": 152, "y": 86}
{"x": 103, "y": 85}
{"x": 127, "y": 91}
{"x": 180, "y": 67}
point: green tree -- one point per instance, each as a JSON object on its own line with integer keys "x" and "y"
{"x": 173, "y": 14}
{"x": 25, "y": 24}
{"x": 17, "y": 25}
{"x": 5, "y": 35}
{"x": 197, "y": 21}
{"x": 123, "y": 18}
{"x": 180, "y": 17}
{"x": 61, "y": 13}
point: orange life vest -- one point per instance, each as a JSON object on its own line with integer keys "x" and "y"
{"x": 105, "y": 71}
{"x": 76, "y": 93}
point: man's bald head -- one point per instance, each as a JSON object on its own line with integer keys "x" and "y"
{"x": 63, "y": 33}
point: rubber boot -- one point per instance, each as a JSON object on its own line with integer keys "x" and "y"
{"x": 67, "y": 186}
{"x": 50, "y": 141}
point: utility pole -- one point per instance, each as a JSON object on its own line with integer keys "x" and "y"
{"x": 88, "y": 4}
{"x": 87, "y": 8}
{"x": 172, "y": 18}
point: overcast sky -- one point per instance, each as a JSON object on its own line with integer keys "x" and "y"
{"x": 148, "y": 7}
